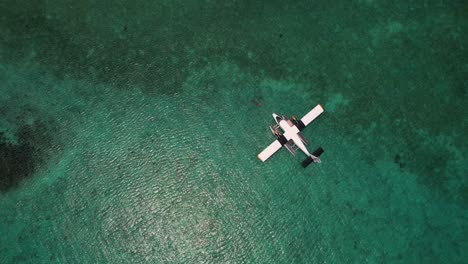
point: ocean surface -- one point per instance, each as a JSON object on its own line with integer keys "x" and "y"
{"x": 129, "y": 131}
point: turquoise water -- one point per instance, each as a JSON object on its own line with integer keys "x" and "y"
{"x": 129, "y": 131}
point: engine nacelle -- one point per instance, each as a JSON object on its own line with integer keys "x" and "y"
{"x": 282, "y": 139}
{"x": 298, "y": 123}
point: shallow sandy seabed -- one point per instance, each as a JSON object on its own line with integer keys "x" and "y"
{"x": 129, "y": 132}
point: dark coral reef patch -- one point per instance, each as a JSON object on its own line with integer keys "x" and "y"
{"x": 21, "y": 160}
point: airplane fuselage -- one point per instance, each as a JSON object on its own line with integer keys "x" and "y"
{"x": 291, "y": 137}
{"x": 290, "y": 132}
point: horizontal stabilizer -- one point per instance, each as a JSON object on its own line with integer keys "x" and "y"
{"x": 307, "y": 162}
{"x": 310, "y": 160}
{"x": 318, "y": 152}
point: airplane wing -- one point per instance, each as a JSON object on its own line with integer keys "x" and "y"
{"x": 270, "y": 150}
{"x": 314, "y": 113}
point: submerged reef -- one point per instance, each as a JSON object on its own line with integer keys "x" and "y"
{"x": 20, "y": 160}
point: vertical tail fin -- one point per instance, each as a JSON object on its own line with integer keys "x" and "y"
{"x": 310, "y": 159}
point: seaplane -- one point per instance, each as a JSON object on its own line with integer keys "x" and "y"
{"x": 291, "y": 137}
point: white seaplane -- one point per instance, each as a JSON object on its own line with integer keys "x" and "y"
{"x": 292, "y": 138}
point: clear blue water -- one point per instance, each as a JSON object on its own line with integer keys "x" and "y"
{"x": 129, "y": 131}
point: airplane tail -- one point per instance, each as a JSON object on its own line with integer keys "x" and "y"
{"x": 310, "y": 159}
